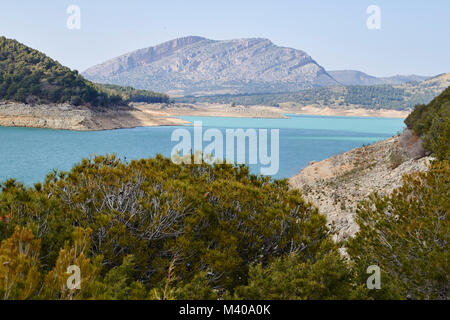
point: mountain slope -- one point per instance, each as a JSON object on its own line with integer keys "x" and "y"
{"x": 358, "y": 78}
{"x": 399, "y": 96}
{"x": 29, "y": 76}
{"x": 353, "y": 78}
{"x": 399, "y": 79}
{"x": 336, "y": 185}
{"x": 195, "y": 65}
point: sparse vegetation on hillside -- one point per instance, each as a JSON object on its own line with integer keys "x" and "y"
{"x": 398, "y": 97}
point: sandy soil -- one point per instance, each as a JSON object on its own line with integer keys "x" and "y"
{"x": 215, "y": 110}
{"x": 349, "y": 112}
{"x": 226, "y": 110}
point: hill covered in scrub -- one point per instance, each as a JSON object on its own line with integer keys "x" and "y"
{"x": 130, "y": 94}
{"x": 336, "y": 185}
{"x": 432, "y": 123}
{"x": 399, "y": 97}
{"x": 388, "y": 202}
{"x": 29, "y": 76}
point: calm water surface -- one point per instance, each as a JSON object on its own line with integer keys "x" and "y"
{"x": 28, "y": 154}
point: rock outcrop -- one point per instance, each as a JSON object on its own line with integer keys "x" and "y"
{"x": 69, "y": 117}
{"x": 337, "y": 184}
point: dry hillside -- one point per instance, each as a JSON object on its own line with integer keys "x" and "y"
{"x": 337, "y": 184}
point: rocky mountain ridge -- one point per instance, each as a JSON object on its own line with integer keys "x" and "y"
{"x": 196, "y": 65}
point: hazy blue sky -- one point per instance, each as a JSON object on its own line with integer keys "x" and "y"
{"x": 414, "y": 35}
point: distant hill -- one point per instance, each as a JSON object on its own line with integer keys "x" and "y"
{"x": 29, "y": 76}
{"x": 398, "y": 79}
{"x": 358, "y": 78}
{"x": 195, "y": 65}
{"x": 399, "y": 97}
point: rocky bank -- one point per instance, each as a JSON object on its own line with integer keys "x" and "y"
{"x": 337, "y": 184}
{"x": 80, "y": 118}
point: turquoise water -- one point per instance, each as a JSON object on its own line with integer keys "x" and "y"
{"x": 28, "y": 154}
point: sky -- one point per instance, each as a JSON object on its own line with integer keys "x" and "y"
{"x": 413, "y": 37}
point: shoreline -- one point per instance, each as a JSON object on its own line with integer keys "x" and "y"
{"x": 337, "y": 184}
{"x": 68, "y": 117}
{"x": 352, "y": 112}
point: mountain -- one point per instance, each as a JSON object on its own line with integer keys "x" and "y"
{"x": 399, "y": 79}
{"x": 358, "y": 78}
{"x": 353, "y": 77}
{"x": 196, "y": 65}
{"x": 29, "y": 76}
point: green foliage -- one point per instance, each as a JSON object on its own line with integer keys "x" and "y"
{"x": 406, "y": 235}
{"x": 432, "y": 123}
{"x": 150, "y": 229}
{"x": 371, "y": 97}
{"x": 119, "y": 284}
{"x": 198, "y": 288}
{"x": 29, "y": 76}
{"x": 292, "y": 278}
{"x": 187, "y": 221}
{"x": 55, "y": 285}
{"x": 130, "y": 94}
{"x": 19, "y": 265}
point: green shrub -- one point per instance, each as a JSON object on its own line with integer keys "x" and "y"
{"x": 217, "y": 220}
{"x": 432, "y": 123}
{"x": 406, "y": 235}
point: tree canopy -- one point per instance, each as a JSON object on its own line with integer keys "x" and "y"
{"x": 29, "y": 76}
{"x": 432, "y": 123}
{"x": 146, "y": 219}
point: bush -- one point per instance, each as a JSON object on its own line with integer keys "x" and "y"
{"x": 291, "y": 278}
{"x": 432, "y": 123}
{"x": 189, "y": 219}
{"x": 406, "y": 235}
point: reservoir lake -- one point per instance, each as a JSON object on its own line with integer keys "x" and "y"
{"x": 28, "y": 154}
